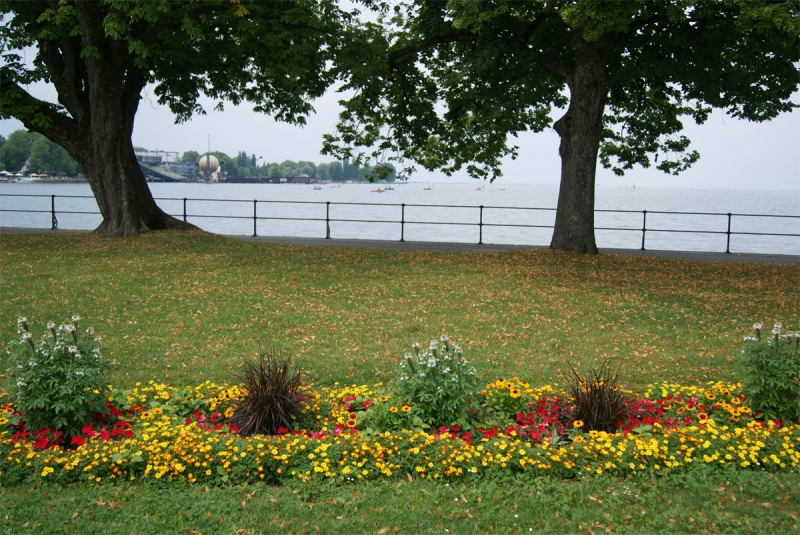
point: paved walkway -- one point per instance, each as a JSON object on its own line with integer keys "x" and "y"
{"x": 472, "y": 247}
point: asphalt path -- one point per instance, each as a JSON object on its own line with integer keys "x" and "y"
{"x": 473, "y": 247}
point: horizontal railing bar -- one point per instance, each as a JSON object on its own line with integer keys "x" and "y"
{"x": 48, "y": 196}
{"x": 766, "y": 215}
{"x": 27, "y": 211}
{"x": 742, "y": 233}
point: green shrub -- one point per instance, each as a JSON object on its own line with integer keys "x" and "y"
{"x": 384, "y": 416}
{"x": 58, "y": 382}
{"x": 597, "y": 401}
{"x": 439, "y": 383}
{"x": 276, "y": 396}
{"x": 770, "y": 370}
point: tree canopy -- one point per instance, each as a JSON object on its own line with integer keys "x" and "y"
{"x": 100, "y": 54}
{"x": 448, "y": 84}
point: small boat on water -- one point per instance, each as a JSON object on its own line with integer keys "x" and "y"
{"x": 379, "y": 190}
{"x": 317, "y": 187}
{"x": 428, "y": 189}
{"x": 388, "y": 188}
{"x": 479, "y": 188}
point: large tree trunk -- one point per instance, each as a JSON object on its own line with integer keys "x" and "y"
{"x": 99, "y": 86}
{"x": 580, "y": 129}
{"x": 117, "y": 181}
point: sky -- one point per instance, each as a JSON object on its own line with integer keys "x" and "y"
{"x": 734, "y": 154}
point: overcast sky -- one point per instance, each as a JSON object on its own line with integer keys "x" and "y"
{"x": 733, "y": 154}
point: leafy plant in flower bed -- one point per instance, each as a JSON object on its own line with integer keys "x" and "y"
{"x": 276, "y": 396}
{"x": 439, "y": 382}
{"x": 597, "y": 401}
{"x": 57, "y": 383}
{"x": 770, "y": 370}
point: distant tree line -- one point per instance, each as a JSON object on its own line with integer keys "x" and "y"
{"x": 42, "y": 155}
{"x": 251, "y": 166}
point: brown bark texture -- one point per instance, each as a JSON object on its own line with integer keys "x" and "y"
{"x": 100, "y": 94}
{"x": 580, "y": 130}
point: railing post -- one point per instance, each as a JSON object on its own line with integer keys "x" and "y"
{"x": 184, "y": 209}
{"x": 728, "y": 245}
{"x": 480, "y": 227}
{"x": 644, "y": 226}
{"x": 53, "y": 219}
{"x": 402, "y": 220}
{"x": 255, "y": 217}
{"x": 328, "y": 220}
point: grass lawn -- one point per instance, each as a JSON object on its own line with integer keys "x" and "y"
{"x": 183, "y": 308}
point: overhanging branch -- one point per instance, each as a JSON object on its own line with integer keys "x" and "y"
{"x": 398, "y": 54}
{"x": 37, "y": 115}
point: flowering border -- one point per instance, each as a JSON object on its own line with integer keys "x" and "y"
{"x": 181, "y": 434}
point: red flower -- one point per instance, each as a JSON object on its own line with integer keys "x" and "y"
{"x": 104, "y": 434}
{"x": 282, "y": 430}
{"x": 79, "y": 440}
{"x": 490, "y": 433}
{"x": 128, "y": 433}
{"x": 366, "y": 403}
{"x": 88, "y": 430}
{"x": 41, "y": 442}
{"x": 456, "y": 428}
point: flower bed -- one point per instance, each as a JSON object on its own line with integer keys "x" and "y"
{"x": 161, "y": 432}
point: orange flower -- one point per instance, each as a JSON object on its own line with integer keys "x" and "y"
{"x": 702, "y": 417}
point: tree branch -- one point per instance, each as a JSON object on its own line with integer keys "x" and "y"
{"x": 38, "y": 115}
{"x": 555, "y": 67}
{"x": 425, "y": 43}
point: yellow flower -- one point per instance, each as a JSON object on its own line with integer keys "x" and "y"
{"x": 577, "y": 424}
{"x": 158, "y": 410}
{"x": 514, "y": 393}
{"x": 406, "y": 408}
{"x": 392, "y": 409}
{"x": 3, "y": 421}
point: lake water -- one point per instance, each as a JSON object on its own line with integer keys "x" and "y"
{"x": 449, "y": 212}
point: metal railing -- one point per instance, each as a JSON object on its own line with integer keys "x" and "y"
{"x": 404, "y": 222}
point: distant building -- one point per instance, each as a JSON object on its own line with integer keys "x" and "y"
{"x": 168, "y": 161}
{"x": 300, "y": 179}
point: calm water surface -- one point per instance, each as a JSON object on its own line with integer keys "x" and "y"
{"x": 513, "y": 213}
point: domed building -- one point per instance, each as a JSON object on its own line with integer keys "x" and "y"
{"x": 209, "y": 168}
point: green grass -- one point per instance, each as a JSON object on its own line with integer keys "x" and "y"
{"x": 184, "y": 308}
{"x": 721, "y": 503}
{"x": 178, "y": 307}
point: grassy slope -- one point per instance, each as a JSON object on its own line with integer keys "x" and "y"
{"x": 183, "y": 309}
